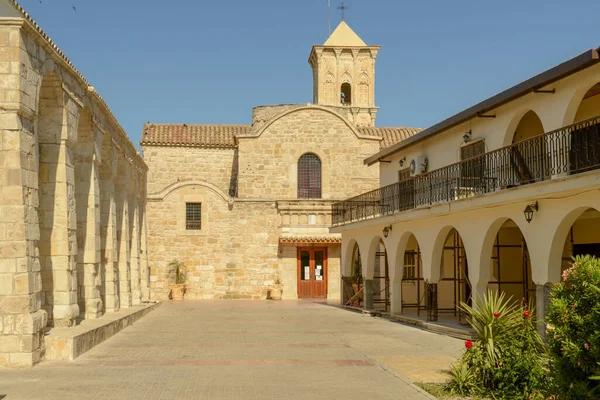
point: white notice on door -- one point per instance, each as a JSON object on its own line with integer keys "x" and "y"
{"x": 307, "y": 273}
{"x": 319, "y": 267}
{"x": 319, "y": 278}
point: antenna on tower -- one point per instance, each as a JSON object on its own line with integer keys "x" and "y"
{"x": 329, "y": 15}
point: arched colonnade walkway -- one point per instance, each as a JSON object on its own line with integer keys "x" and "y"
{"x": 434, "y": 264}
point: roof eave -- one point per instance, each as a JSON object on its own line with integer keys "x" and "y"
{"x": 569, "y": 67}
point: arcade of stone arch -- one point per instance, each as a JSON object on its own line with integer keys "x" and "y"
{"x": 88, "y": 227}
{"x": 72, "y": 196}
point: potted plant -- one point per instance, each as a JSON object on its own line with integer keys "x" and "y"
{"x": 276, "y": 291}
{"x": 177, "y": 277}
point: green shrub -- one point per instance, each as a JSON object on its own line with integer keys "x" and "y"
{"x": 508, "y": 360}
{"x": 574, "y": 330}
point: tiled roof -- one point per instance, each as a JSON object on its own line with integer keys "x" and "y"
{"x": 390, "y": 135}
{"x": 223, "y": 136}
{"x": 196, "y": 135}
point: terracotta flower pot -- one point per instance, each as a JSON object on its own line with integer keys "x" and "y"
{"x": 275, "y": 293}
{"x": 177, "y": 291}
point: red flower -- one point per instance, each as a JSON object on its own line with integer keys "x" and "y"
{"x": 496, "y": 314}
{"x": 526, "y": 314}
{"x": 468, "y": 344}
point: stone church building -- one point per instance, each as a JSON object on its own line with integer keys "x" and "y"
{"x": 247, "y": 206}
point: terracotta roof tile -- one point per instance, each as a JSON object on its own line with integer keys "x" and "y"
{"x": 196, "y": 135}
{"x": 310, "y": 239}
{"x": 390, "y": 135}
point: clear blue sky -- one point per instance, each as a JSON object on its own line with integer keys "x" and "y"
{"x": 201, "y": 61}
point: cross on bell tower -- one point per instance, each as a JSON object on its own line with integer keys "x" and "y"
{"x": 343, "y": 9}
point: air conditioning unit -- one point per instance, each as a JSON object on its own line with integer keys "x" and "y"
{"x": 418, "y": 166}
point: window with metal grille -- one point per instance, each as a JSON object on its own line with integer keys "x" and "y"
{"x": 193, "y": 216}
{"x": 410, "y": 265}
{"x": 309, "y": 177}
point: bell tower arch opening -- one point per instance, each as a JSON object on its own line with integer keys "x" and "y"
{"x": 346, "y": 94}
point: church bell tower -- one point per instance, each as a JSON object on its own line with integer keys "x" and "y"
{"x": 344, "y": 75}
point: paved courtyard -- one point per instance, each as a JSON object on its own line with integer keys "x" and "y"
{"x": 245, "y": 350}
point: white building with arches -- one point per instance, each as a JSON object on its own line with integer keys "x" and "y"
{"x": 499, "y": 196}
{"x": 247, "y": 206}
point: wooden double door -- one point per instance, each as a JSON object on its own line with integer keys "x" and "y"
{"x": 312, "y": 273}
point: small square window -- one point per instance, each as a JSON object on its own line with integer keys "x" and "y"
{"x": 193, "y": 216}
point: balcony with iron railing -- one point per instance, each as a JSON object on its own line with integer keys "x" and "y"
{"x": 571, "y": 150}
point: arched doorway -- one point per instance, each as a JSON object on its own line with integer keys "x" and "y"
{"x": 583, "y": 238}
{"x": 511, "y": 265}
{"x": 381, "y": 279}
{"x": 453, "y": 288}
{"x": 528, "y": 154}
{"x": 413, "y": 286}
{"x": 353, "y": 282}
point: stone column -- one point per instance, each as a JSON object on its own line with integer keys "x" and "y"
{"x": 22, "y": 334}
{"x": 542, "y": 300}
{"x": 108, "y": 174}
{"x": 136, "y": 293}
{"x": 58, "y": 232}
{"x": 144, "y": 267}
{"x": 369, "y": 290}
{"x": 87, "y": 194}
{"x": 123, "y": 233}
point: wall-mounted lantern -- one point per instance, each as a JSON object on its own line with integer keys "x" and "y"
{"x": 529, "y": 210}
{"x": 386, "y": 231}
{"x": 467, "y": 136}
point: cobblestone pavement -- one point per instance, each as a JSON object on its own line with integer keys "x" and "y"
{"x": 244, "y": 350}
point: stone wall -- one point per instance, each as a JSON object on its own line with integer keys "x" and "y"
{"x": 233, "y": 256}
{"x": 57, "y": 192}
{"x": 268, "y": 161}
{"x": 170, "y": 164}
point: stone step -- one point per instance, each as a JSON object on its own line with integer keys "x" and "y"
{"x": 70, "y": 343}
{"x": 465, "y": 333}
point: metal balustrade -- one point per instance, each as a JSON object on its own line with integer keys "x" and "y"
{"x": 570, "y": 150}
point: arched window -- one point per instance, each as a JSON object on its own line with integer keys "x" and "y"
{"x": 309, "y": 177}
{"x": 346, "y": 93}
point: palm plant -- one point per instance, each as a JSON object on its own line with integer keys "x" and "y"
{"x": 492, "y": 317}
